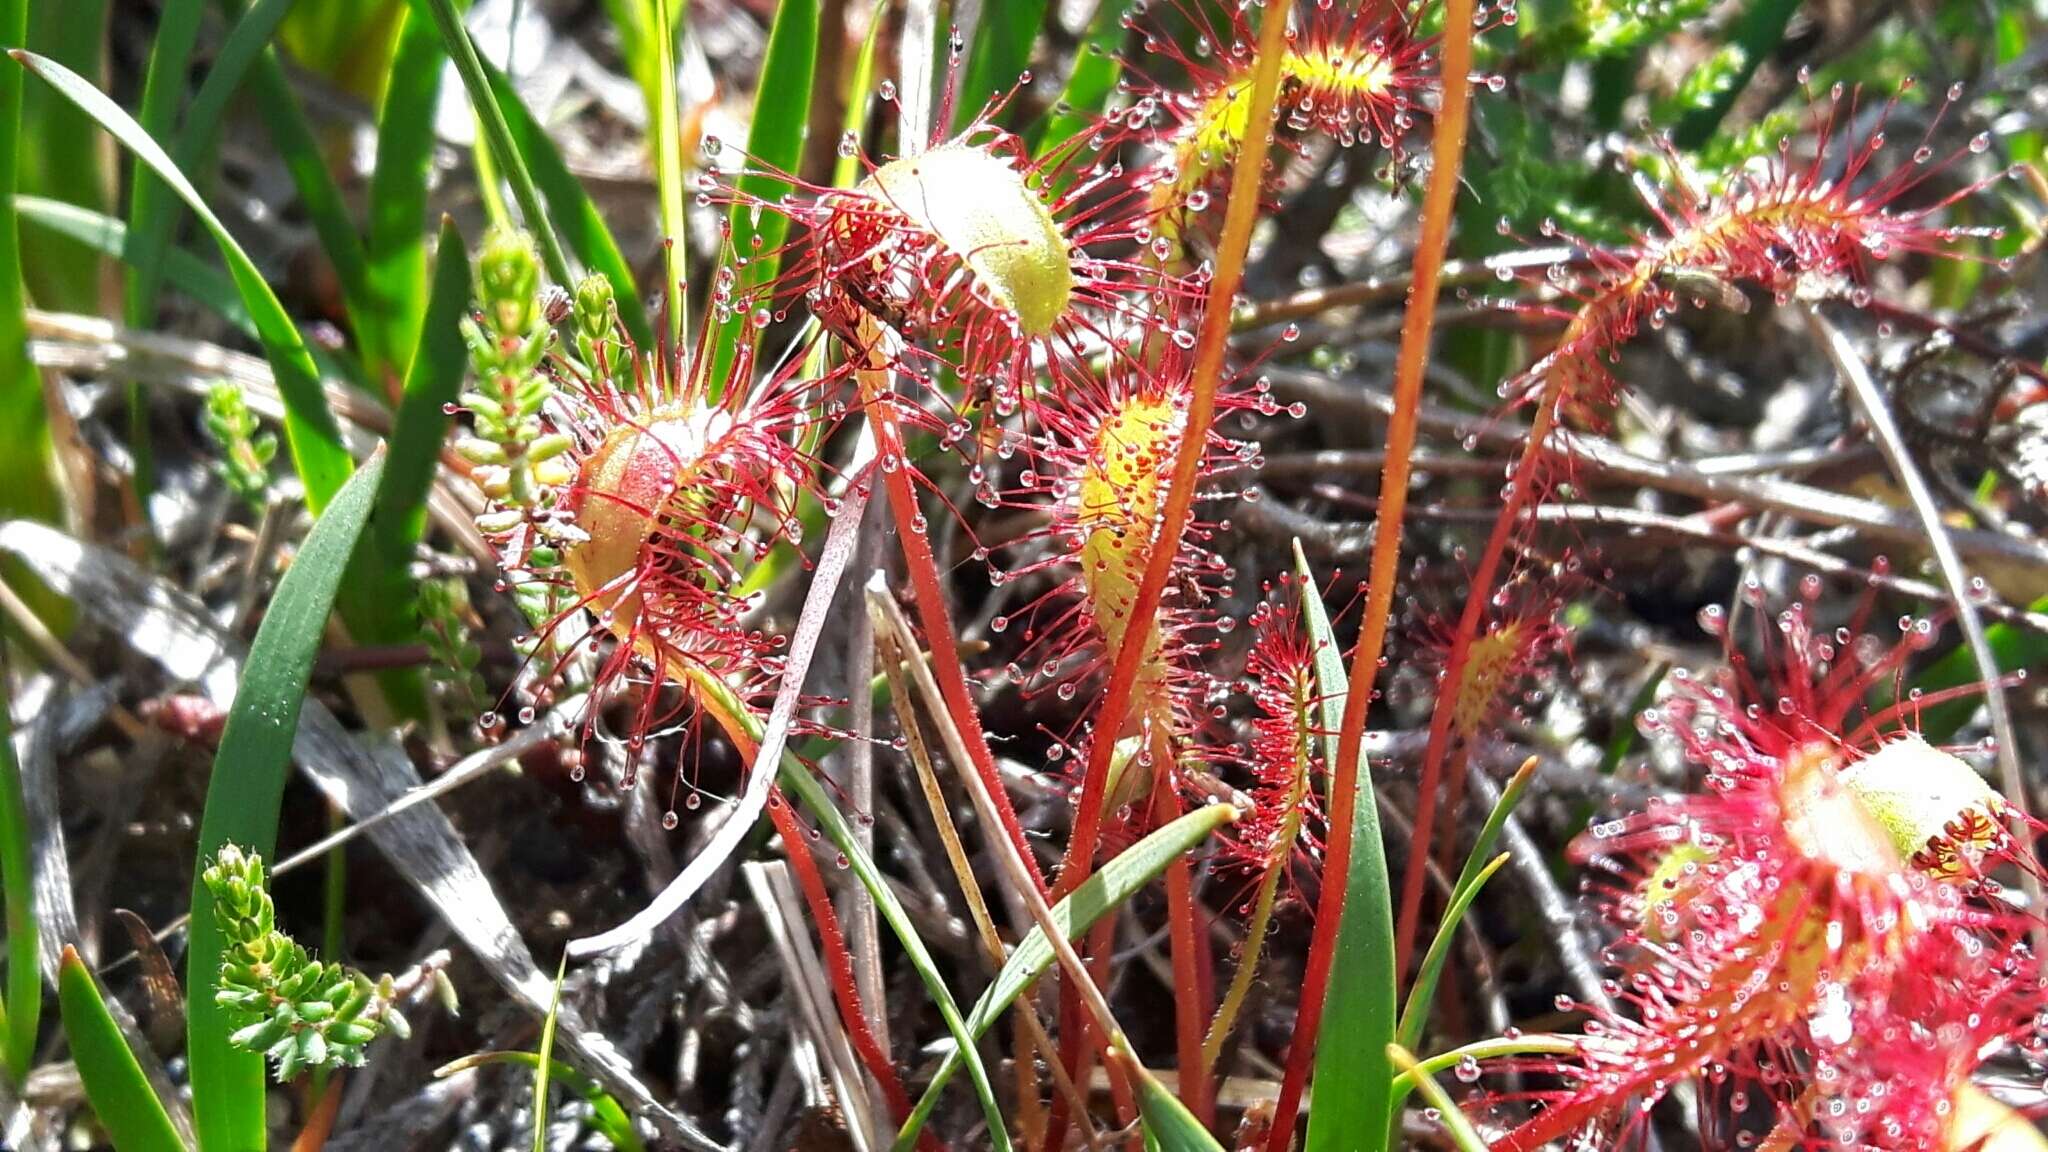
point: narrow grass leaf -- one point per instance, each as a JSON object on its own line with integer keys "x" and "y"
{"x": 1097, "y": 65}
{"x": 163, "y": 85}
{"x": 395, "y": 242}
{"x": 775, "y": 148}
{"x": 489, "y": 105}
{"x": 1111, "y": 885}
{"x": 24, "y": 1003}
{"x": 120, "y": 1094}
{"x": 1478, "y": 868}
{"x": 431, "y": 385}
{"x": 316, "y": 444}
{"x": 1464, "y": 1137}
{"x": 571, "y": 208}
{"x": 293, "y": 138}
{"x": 1423, "y": 991}
{"x": 28, "y": 482}
{"x": 847, "y": 169}
{"x": 150, "y": 235}
{"x": 63, "y": 158}
{"x": 606, "y": 1114}
{"x": 544, "y": 1061}
{"x": 668, "y": 179}
{"x": 207, "y": 285}
{"x": 1358, "y": 1012}
{"x": 243, "y": 797}
{"x": 1169, "y": 1126}
{"x": 1002, "y": 48}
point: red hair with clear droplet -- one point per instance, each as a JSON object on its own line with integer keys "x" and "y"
{"x": 1777, "y": 936}
{"x": 651, "y": 519}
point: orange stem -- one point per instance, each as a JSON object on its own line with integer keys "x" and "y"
{"x": 1211, "y": 344}
{"x": 1448, "y": 154}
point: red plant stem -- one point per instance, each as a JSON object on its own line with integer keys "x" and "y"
{"x": 1447, "y": 151}
{"x": 1191, "y": 994}
{"x": 1521, "y": 487}
{"x": 1240, "y": 215}
{"x": 930, "y": 594}
{"x": 838, "y": 958}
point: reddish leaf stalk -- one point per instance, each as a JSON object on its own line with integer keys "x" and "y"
{"x": 1448, "y": 153}
{"x": 838, "y": 958}
{"x": 930, "y": 594}
{"x": 1185, "y": 940}
{"x": 1211, "y": 343}
{"x": 1480, "y": 591}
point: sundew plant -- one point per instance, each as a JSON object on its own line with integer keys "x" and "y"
{"x": 1325, "y": 574}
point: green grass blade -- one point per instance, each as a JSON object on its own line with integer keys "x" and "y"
{"x": 1464, "y": 1137}
{"x": 319, "y": 195}
{"x": 28, "y": 487}
{"x": 1116, "y": 882}
{"x": 491, "y": 118}
{"x": 207, "y": 285}
{"x": 1001, "y": 50}
{"x": 544, "y": 1061}
{"x": 606, "y": 1115}
{"x": 775, "y": 144}
{"x": 316, "y": 444}
{"x": 24, "y": 1003}
{"x": 846, "y": 170}
{"x": 1358, "y": 1014}
{"x": 64, "y": 159}
{"x": 433, "y": 383}
{"x": 630, "y": 21}
{"x": 1090, "y": 85}
{"x": 150, "y": 236}
{"x": 127, "y": 1107}
{"x": 1169, "y": 1126}
{"x": 163, "y": 85}
{"x": 577, "y": 215}
{"x": 668, "y": 177}
{"x": 396, "y": 244}
{"x": 1478, "y": 868}
{"x": 1423, "y": 991}
{"x": 108, "y": 236}
{"x": 243, "y": 797}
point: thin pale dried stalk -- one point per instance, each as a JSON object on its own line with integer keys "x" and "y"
{"x": 891, "y": 634}
{"x": 878, "y": 399}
